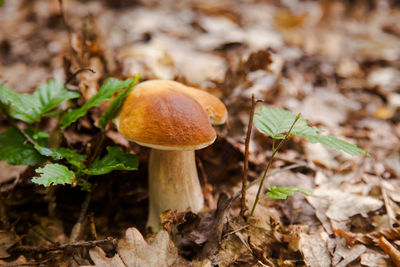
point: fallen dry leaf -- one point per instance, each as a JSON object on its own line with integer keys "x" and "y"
{"x": 7, "y": 240}
{"x": 344, "y": 255}
{"x": 134, "y": 251}
{"x": 373, "y": 259}
{"x": 343, "y": 205}
{"x": 370, "y": 238}
{"x": 314, "y": 249}
{"x": 20, "y": 261}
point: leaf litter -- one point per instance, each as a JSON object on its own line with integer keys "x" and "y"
{"x": 333, "y": 61}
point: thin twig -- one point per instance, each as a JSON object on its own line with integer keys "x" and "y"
{"x": 73, "y": 75}
{"x": 92, "y": 225}
{"x": 14, "y": 123}
{"x": 243, "y": 207}
{"x": 287, "y": 136}
{"x": 44, "y": 263}
{"x": 77, "y": 229}
{"x": 55, "y": 247}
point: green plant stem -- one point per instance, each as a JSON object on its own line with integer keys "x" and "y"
{"x": 273, "y": 144}
{"x": 286, "y": 138}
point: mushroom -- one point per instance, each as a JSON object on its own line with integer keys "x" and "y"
{"x": 173, "y": 120}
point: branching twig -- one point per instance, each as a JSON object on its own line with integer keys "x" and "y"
{"x": 287, "y": 136}
{"x": 243, "y": 206}
{"x": 73, "y": 75}
{"x": 67, "y": 245}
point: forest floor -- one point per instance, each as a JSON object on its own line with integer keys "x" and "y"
{"x": 335, "y": 62}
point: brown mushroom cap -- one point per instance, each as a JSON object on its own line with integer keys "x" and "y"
{"x": 165, "y": 118}
{"x": 216, "y": 110}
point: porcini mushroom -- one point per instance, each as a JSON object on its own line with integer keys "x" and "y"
{"x": 173, "y": 120}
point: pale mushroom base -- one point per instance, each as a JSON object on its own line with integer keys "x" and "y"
{"x": 173, "y": 184}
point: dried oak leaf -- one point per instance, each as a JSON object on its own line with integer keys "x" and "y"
{"x": 369, "y": 238}
{"x": 134, "y": 251}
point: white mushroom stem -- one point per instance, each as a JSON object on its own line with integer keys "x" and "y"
{"x": 173, "y": 184}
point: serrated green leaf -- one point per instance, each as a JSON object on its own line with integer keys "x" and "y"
{"x": 337, "y": 144}
{"x": 284, "y": 192}
{"x": 110, "y": 87}
{"x": 275, "y": 122}
{"x": 53, "y": 174}
{"x": 75, "y": 159}
{"x": 16, "y": 151}
{"x": 51, "y": 94}
{"x": 116, "y": 104}
{"x": 114, "y": 160}
{"x": 30, "y": 108}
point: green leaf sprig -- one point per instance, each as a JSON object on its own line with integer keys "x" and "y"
{"x": 30, "y": 146}
{"x": 109, "y": 88}
{"x": 282, "y": 125}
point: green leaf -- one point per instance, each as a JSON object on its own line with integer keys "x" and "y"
{"x": 19, "y": 106}
{"x": 284, "y": 192}
{"x": 30, "y": 108}
{"x": 337, "y": 144}
{"x": 51, "y": 94}
{"x": 53, "y": 174}
{"x": 116, "y": 104}
{"x": 114, "y": 160}
{"x": 16, "y": 151}
{"x": 1, "y": 3}
{"x": 110, "y": 87}
{"x": 275, "y": 122}
{"x": 85, "y": 185}
{"x": 75, "y": 159}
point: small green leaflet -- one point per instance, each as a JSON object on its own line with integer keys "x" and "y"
{"x": 276, "y": 122}
{"x": 284, "y": 192}
{"x": 114, "y": 160}
{"x": 75, "y": 159}
{"x": 53, "y": 174}
{"x": 51, "y": 94}
{"x": 30, "y": 108}
{"x": 16, "y": 151}
{"x": 19, "y": 106}
{"x": 110, "y": 87}
{"x": 116, "y": 104}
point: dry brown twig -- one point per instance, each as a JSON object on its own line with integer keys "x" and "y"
{"x": 243, "y": 207}
{"x": 55, "y": 247}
